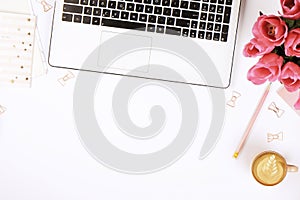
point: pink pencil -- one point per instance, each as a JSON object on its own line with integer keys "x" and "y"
{"x": 252, "y": 121}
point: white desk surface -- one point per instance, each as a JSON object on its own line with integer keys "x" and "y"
{"x": 41, "y": 156}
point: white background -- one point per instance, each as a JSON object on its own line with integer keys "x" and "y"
{"x": 41, "y": 156}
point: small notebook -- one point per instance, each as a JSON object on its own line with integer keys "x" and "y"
{"x": 289, "y": 97}
{"x": 17, "y": 33}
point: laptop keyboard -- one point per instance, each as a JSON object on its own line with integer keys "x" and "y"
{"x": 203, "y": 19}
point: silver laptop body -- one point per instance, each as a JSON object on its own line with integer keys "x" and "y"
{"x": 171, "y": 40}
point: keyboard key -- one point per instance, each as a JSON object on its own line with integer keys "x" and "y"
{"x": 143, "y": 17}
{"x": 72, "y": 1}
{"x": 166, "y": 2}
{"x": 173, "y": 31}
{"x": 160, "y": 29}
{"x": 225, "y": 29}
{"x": 103, "y": 3}
{"x": 213, "y": 1}
{"x": 175, "y": 3}
{"x": 106, "y": 13}
{"x": 124, "y": 15}
{"x": 217, "y": 27}
{"x": 224, "y": 37}
{"x": 218, "y": 18}
{"x": 86, "y": 20}
{"x": 156, "y": 2}
{"x": 193, "y": 33}
{"x": 203, "y": 16}
{"x": 185, "y": 32}
{"x": 149, "y": 9}
{"x": 194, "y": 24}
{"x": 184, "y": 4}
{"x": 147, "y": 1}
{"x": 161, "y": 20}
{"x": 151, "y": 28}
{"x": 194, "y": 5}
{"x": 208, "y": 35}
{"x": 112, "y": 4}
{"x": 130, "y": 7}
{"x": 205, "y": 0}
{"x": 123, "y": 24}
{"x": 221, "y": 1}
{"x": 167, "y": 11}
{"x": 87, "y": 10}
{"x": 138, "y": 1}
{"x": 77, "y": 18}
{"x": 139, "y": 7}
{"x": 97, "y": 12}
{"x": 227, "y": 12}
{"x": 84, "y": 2}
{"x": 201, "y": 34}
{"x": 72, "y": 9}
{"x": 121, "y": 5}
{"x": 93, "y": 2}
{"x": 190, "y": 14}
{"x": 216, "y": 37}
{"x": 67, "y": 17}
{"x": 212, "y": 8}
{"x": 228, "y": 2}
{"x": 182, "y": 22}
{"x": 170, "y": 21}
{"x": 115, "y": 14}
{"x": 204, "y": 7}
{"x": 96, "y": 21}
{"x": 220, "y": 9}
{"x": 134, "y": 16}
{"x": 157, "y": 10}
{"x": 152, "y": 18}
{"x": 211, "y": 17}
{"x": 210, "y": 26}
{"x": 202, "y": 25}
{"x": 176, "y": 13}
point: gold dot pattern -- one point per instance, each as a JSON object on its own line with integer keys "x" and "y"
{"x": 17, "y": 41}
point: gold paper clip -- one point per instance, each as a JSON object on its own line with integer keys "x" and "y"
{"x": 278, "y": 136}
{"x": 232, "y": 101}
{"x": 2, "y": 109}
{"x": 46, "y": 6}
{"x": 273, "y": 107}
{"x": 64, "y": 79}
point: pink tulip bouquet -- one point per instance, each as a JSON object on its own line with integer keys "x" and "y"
{"x": 277, "y": 42}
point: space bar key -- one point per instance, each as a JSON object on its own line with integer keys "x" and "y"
{"x": 123, "y": 24}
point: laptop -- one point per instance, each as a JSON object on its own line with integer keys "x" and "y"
{"x": 185, "y": 41}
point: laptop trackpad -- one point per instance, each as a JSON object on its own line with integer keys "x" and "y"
{"x": 124, "y": 52}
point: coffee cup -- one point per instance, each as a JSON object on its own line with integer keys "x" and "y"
{"x": 270, "y": 168}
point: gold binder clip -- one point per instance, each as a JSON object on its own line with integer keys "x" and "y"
{"x": 63, "y": 80}
{"x": 272, "y": 137}
{"x": 232, "y": 101}
{"x": 46, "y": 5}
{"x": 273, "y": 107}
{"x": 2, "y": 109}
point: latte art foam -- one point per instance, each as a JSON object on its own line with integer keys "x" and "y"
{"x": 269, "y": 169}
